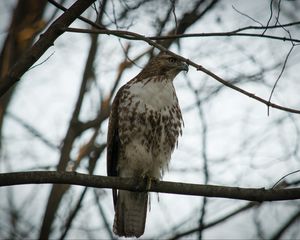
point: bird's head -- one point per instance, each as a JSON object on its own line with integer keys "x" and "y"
{"x": 164, "y": 64}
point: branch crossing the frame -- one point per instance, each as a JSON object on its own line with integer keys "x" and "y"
{"x": 60, "y": 25}
{"x": 135, "y": 36}
{"x": 74, "y": 178}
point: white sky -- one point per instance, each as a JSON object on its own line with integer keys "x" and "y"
{"x": 245, "y": 147}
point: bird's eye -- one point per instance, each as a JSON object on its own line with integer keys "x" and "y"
{"x": 172, "y": 60}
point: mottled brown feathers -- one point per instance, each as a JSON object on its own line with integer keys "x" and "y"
{"x": 144, "y": 126}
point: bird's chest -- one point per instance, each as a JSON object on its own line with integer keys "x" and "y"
{"x": 146, "y": 104}
{"x": 156, "y": 95}
{"x": 150, "y": 113}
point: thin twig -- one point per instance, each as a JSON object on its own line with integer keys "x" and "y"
{"x": 247, "y": 16}
{"x": 32, "y": 130}
{"x": 293, "y": 218}
{"x": 284, "y": 178}
{"x": 45, "y": 41}
{"x": 132, "y": 35}
{"x": 137, "y": 37}
{"x": 217, "y": 221}
{"x": 204, "y": 155}
{"x": 38, "y": 64}
{"x": 103, "y": 215}
{"x": 286, "y": 59}
{"x": 278, "y": 12}
{"x": 279, "y": 76}
{"x": 173, "y": 2}
{"x": 72, "y": 214}
{"x": 61, "y": 7}
{"x": 270, "y": 18}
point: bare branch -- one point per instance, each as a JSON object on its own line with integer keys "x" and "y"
{"x": 103, "y": 215}
{"x": 246, "y": 15}
{"x": 281, "y": 72}
{"x": 290, "y": 221}
{"x": 61, "y": 7}
{"x": 237, "y": 32}
{"x": 73, "y": 214}
{"x": 45, "y": 41}
{"x": 271, "y": 15}
{"x": 215, "y": 222}
{"x": 33, "y": 131}
{"x": 204, "y": 156}
{"x": 57, "y": 192}
{"x": 136, "y": 36}
{"x": 276, "y": 184}
{"x": 138, "y": 185}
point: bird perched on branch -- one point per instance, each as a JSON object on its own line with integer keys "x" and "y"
{"x": 144, "y": 125}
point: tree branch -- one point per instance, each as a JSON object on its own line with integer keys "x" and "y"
{"x": 293, "y": 218}
{"x": 238, "y": 32}
{"x": 74, "y": 130}
{"x": 249, "y": 194}
{"x": 215, "y": 222}
{"x": 135, "y": 36}
{"x": 45, "y": 41}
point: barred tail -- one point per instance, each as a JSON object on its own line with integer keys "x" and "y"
{"x": 131, "y": 212}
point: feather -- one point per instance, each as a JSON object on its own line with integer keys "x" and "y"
{"x": 131, "y": 212}
{"x": 144, "y": 125}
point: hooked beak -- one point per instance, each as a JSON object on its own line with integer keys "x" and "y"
{"x": 183, "y": 67}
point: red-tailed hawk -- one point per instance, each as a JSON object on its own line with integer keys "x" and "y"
{"x": 144, "y": 125}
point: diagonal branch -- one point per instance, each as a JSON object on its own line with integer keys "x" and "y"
{"x": 150, "y": 40}
{"x": 103, "y": 215}
{"x": 138, "y": 185}
{"x": 215, "y": 222}
{"x": 237, "y": 32}
{"x": 45, "y": 41}
{"x": 73, "y": 214}
{"x": 136, "y": 36}
{"x": 32, "y": 130}
{"x": 293, "y": 218}
{"x": 57, "y": 192}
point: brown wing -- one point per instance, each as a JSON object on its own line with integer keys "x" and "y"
{"x": 113, "y": 143}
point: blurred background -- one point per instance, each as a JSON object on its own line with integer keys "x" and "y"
{"x": 55, "y": 118}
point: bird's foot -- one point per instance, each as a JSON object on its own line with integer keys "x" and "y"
{"x": 149, "y": 180}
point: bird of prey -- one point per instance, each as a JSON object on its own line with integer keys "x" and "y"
{"x": 144, "y": 125}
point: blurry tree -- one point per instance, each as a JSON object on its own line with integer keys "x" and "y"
{"x": 26, "y": 23}
{"x": 227, "y": 139}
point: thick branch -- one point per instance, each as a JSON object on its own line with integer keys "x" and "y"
{"x": 58, "y": 191}
{"x": 45, "y": 41}
{"x": 250, "y": 194}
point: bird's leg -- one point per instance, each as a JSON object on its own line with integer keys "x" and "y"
{"x": 149, "y": 180}
{"x": 148, "y": 183}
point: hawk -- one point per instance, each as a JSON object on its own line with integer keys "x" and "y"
{"x": 144, "y": 124}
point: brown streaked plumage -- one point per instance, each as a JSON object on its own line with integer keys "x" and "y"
{"x": 144, "y": 125}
